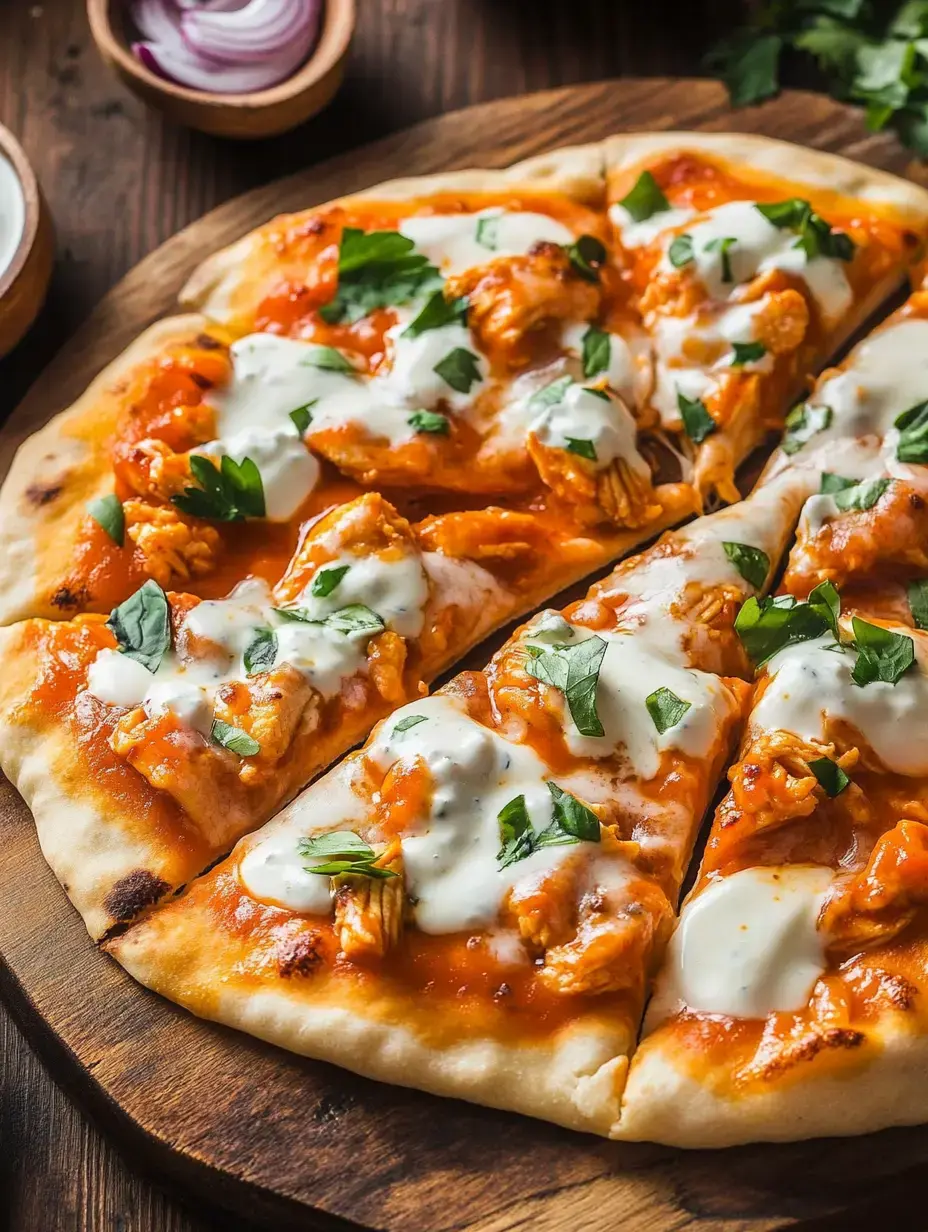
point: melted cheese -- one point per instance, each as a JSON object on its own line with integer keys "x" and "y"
{"x": 289, "y": 472}
{"x": 810, "y": 684}
{"x": 748, "y": 945}
{"x": 622, "y": 372}
{"x": 451, "y": 241}
{"x": 396, "y": 589}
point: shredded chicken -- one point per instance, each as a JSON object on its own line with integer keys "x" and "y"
{"x": 773, "y": 784}
{"x": 153, "y": 470}
{"x": 512, "y": 298}
{"x": 891, "y": 535}
{"x": 369, "y": 911}
{"x": 386, "y": 658}
{"x": 487, "y": 535}
{"x": 172, "y": 549}
{"x": 879, "y": 902}
{"x": 783, "y": 322}
{"x": 619, "y": 493}
{"x": 271, "y": 708}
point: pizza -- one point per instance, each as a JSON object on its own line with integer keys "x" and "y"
{"x": 392, "y": 424}
{"x": 507, "y": 851}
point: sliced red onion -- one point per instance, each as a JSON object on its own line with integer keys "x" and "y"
{"x": 268, "y": 40}
{"x": 263, "y": 28}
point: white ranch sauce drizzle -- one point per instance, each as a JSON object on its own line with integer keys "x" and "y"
{"x": 885, "y": 375}
{"x": 450, "y": 240}
{"x": 811, "y": 683}
{"x": 12, "y": 213}
{"x": 579, "y": 415}
{"x": 640, "y": 234}
{"x": 760, "y": 247}
{"x": 747, "y": 945}
{"x": 623, "y": 370}
{"x": 323, "y": 655}
{"x": 450, "y": 856}
{"x": 630, "y": 671}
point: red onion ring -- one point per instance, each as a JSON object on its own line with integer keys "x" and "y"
{"x": 226, "y": 46}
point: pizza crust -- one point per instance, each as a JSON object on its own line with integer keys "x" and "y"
{"x": 882, "y": 1083}
{"x": 55, "y": 472}
{"x": 752, "y": 153}
{"x": 576, "y": 171}
{"x": 574, "y": 1078}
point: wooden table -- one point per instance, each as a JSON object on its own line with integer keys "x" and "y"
{"x": 119, "y": 181}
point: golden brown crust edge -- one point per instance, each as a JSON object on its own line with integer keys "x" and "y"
{"x": 57, "y": 470}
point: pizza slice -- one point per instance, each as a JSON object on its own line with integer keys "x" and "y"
{"x": 448, "y": 369}
{"x": 471, "y": 903}
{"x": 790, "y": 1001}
{"x": 147, "y": 743}
{"x": 751, "y": 261}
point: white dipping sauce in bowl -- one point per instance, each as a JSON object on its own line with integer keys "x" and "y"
{"x": 12, "y": 213}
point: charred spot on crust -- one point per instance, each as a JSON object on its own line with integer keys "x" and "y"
{"x": 201, "y": 382}
{"x": 40, "y": 494}
{"x": 299, "y": 955}
{"x": 206, "y": 343}
{"x": 68, "y": 600}
{"x": 900, "y": 992}
{"x": 809, "y": 1047}
{"x": 133, "y": 893}
{"x": 916, "y": 501}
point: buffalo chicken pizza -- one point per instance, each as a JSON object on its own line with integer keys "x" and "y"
{"x": 394, "y": 423}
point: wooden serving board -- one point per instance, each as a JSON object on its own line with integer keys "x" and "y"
{"x": 295, "y": 1144}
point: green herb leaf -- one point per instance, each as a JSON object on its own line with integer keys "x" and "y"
{"x": 551, "y": 395}
{"x": 767, "y": 626}
{"x": 597, "y": 351}
{"x": 574, "y": 669}
{"x": 597, "y": 393}
{"x": 234, "y": 739}
{"x": 488, "y": 232}
{"x": 832, "y": 483}
{"x": 107, "y": 511}
{"x": 723, "y": 245}
{"x": 573, "y": 817}
{"x": 436, "y": 313}
{"x": 697, "y": 421}
{"x": 142, "y": 625}
{"x": 831, "y": 778}
{"x": 833, "y": 44}
{"x": 882, "y": 655}
{"x": 411, "y": 720}
{"x": 229, "y": 493}
{"x": 261, "y": 652}
{"x": 861, "y": 496}
{"x": 377, "y": 269}
{"x": 747, "y": 353}
{"x": 913, "y": 434}
{"x": 302, "y": 416}
{"x": 356, "y": 618}
{"x": 751, "y": 562}
{"x": 516, "y": 835}
{"x": 917, "y": 592}
{"x": 327, "y": 358}
{"x": 460, "y": 369}
{"x": 430, "y": 421}
{"x": 645, "y": 198}
{"x": 815, "y": 233}
{"x": 825, "y": 602}
{"x": 680, "y": 252}
{"x": 347, "y": 853}
{"x": 802, "y": 423}
{"x": 587, "y": 254}
{"x": 583, "y": 449}
{"x": 327, "y": 580}
{"x": 666, "y": 709}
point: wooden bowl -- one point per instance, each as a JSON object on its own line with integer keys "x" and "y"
{"x": 24, "y": 281}
{"x": 243, "y": 116}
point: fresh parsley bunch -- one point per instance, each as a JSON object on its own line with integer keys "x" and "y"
{"x": 872, "y": 52}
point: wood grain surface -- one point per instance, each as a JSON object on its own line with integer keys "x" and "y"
{"x": 120, "y": 180}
